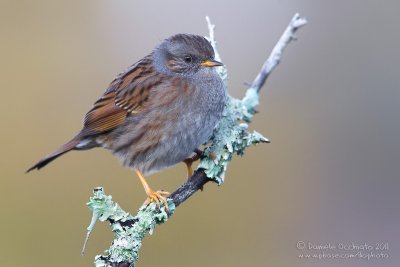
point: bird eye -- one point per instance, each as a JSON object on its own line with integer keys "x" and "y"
{"x": 188, "y": 59}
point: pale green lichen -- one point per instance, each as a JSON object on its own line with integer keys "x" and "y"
{"x": 104, "y": 208}
{"x": 128, "y": 239}
{"x": 249, "y": 103}
{"x": 230, "y": 137}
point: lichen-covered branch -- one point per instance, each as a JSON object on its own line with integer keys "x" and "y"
{"x": 276, "y": 54}
{"x": 230, "y": 137}
{"x": 251, "y": 99}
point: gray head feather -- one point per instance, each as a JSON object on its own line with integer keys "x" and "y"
{"x": 182, "y": 54}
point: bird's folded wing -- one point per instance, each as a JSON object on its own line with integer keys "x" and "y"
{"x": 126, "y": 95}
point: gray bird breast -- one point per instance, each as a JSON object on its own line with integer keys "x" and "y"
{"x": 178, "y": 117}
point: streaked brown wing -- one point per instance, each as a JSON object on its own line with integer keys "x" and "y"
{"x": 127, "y": 94}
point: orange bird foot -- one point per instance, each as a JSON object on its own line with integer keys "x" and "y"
{"x": 157, "y": 196}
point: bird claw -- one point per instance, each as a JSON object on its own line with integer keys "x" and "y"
{"x": 157, "y": 197}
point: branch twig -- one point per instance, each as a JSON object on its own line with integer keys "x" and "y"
{"x": 276, "y": 54}
{"x": 230, "y": 137}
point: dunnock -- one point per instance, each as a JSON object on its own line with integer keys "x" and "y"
{"x": 157, "y": 112}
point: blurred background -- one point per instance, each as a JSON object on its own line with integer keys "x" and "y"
{"x": 331, "y": 110}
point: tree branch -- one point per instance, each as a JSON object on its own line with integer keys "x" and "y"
{"x": 276, "y": 54}
{"x": 230, "y": 137}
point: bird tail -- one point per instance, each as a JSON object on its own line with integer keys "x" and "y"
{"x": 52, "y": 156}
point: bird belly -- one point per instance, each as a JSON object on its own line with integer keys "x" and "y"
{"x": 164, "y": 143}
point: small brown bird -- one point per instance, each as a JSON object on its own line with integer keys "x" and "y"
{"x": 157, "y": 112}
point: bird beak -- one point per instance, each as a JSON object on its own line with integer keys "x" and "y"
{"x": 211, "y": 63}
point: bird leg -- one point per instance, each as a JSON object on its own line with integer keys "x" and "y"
{"x": 189, "y": 162}
{"x": 155, "y": 196}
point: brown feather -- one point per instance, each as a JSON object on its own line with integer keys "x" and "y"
{"x": 103, "y": 117}
{"x": 126, "y": 95}
{"x": 60, "y": 151}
